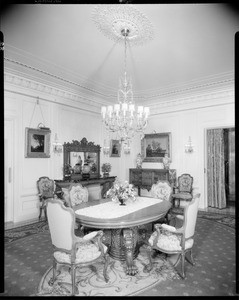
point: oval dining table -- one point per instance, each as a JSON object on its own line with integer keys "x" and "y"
{"x": 122, "y": 231}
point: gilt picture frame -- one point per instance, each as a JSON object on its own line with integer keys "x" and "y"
{"x": 37, "y": 143}
{"x": 115, "y": 148}
{"x": 154, "y": 147}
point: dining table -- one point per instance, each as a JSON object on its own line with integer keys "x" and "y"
{"x": 122, "y": 223}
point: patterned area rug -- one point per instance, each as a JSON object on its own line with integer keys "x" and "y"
{"x": 90, "y": 280}
{"x": 28, "y": 261}
{"x": 24, "y": 231}
{"x": 220, "y": 218}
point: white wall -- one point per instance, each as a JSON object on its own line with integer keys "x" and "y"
{"x": 72, "y": 121}
{"x": 182, "y": 124}
{"x": 68, "y": 122}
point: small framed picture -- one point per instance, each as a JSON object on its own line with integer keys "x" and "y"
{"x": 115, "y": 148}
{"x": 155, "y": 146}
{"x": 37, "y": 143}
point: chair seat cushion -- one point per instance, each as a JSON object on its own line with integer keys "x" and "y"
{"x": 185, "y": 196}
{"x": 169, "y": 241}
{"x": 86, "y": 252}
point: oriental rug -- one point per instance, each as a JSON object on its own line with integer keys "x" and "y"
{"x": 28, "y": 262}
{"x": 90, "y": 280}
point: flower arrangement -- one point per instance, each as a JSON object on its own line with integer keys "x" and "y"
{"x": 106, "y": 167}
{"x": 121, "y": 192}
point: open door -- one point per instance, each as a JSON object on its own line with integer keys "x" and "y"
{"x": 229, "y": 138}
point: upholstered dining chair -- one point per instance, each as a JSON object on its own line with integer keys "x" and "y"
{"x": 70, "y": 250}
{"x": 172, "y": 240}
{"x": 73, "y": 196}
{"x": 185, "y": 189}
{"x": 162, "y": 190}
{"x": 45, "y": 187}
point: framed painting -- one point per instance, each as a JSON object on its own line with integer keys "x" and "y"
{"x": 115, "y": 148}
{"x": 154, "y": 147}
{"x": 37, "y": 143}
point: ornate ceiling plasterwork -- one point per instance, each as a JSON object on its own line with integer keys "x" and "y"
{"x": 112, "y": 19}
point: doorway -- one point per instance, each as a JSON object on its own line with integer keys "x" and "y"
{"x": 229, "y": 147}
{"x": 221, "y": 168}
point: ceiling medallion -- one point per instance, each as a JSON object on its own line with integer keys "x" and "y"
{"x": 112, "y": 19}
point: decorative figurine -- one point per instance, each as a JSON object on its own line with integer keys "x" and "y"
{"x": 139, "y": 161}
{"x": 166, "y": 161}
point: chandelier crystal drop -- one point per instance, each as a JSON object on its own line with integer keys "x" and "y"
{"x": 124, "y": 117}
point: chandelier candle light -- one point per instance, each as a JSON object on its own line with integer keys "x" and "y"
{"x": 122, "y": 24}
{"x": 124, "y": 117}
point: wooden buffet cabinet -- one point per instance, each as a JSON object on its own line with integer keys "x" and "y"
{"x": 145, "y": 178}
{"x": 105, "y": 182}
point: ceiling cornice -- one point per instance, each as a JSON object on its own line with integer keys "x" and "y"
{"x": 223, "y": 94}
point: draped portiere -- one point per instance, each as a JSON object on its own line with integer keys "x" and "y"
{"x": 215, "y": 169}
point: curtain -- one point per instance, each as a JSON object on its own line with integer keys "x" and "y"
{"x": 215, "y": 169}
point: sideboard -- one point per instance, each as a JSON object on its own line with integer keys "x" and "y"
{"x": 145, "y": 178}
{"x": 105, "y": 182}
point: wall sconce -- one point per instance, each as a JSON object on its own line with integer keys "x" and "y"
{"x": 189, "y": 146}
{"x": 57, "y": 147}
{"x": 106, "y": 148}
{"x": 127, "y": 147}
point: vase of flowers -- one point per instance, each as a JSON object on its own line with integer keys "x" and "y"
{"x": 106, "y": 168}
{"x": 121, "y": 192}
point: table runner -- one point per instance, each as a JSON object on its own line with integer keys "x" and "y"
{"x": 110, "y": 210}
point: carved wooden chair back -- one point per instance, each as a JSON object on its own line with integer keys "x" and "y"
{"x": 185, "y": 183}
{"x": 45, "y": 187}
{"x": 78, "y": 194}
{"x": 68, "y": 249}
{"x": 162, "y": 190}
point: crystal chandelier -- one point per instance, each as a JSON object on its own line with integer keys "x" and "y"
{"x": 124, "y": 117}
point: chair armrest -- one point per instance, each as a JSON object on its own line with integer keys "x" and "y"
{"x": 94, "y": 237}
{"x": 180, "y": 217}
{"x": 170, "y": 228}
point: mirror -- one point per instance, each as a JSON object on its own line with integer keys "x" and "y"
{"x": 81, "y": 160}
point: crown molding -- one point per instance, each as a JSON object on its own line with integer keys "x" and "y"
{"x": 79, "y": 101}
{"x": 222, "y": 91}
{"x": 203, "y": 100}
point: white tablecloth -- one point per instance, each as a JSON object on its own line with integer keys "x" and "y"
{"x": 110, "y": 210}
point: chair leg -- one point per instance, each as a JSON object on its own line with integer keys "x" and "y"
{"x": 73, "y": 279}
{"x": 52, "y": 280}
{"x": 183, "y": 264}
{"x": 190, "y": 259}
{"x": 40, "y": 213}
{"x": 149, "y": 251}
{"x": 106, "y": 257}
{"x": 45, "y": 212}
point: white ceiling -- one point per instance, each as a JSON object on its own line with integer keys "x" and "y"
{"x": 193, "y": 44}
